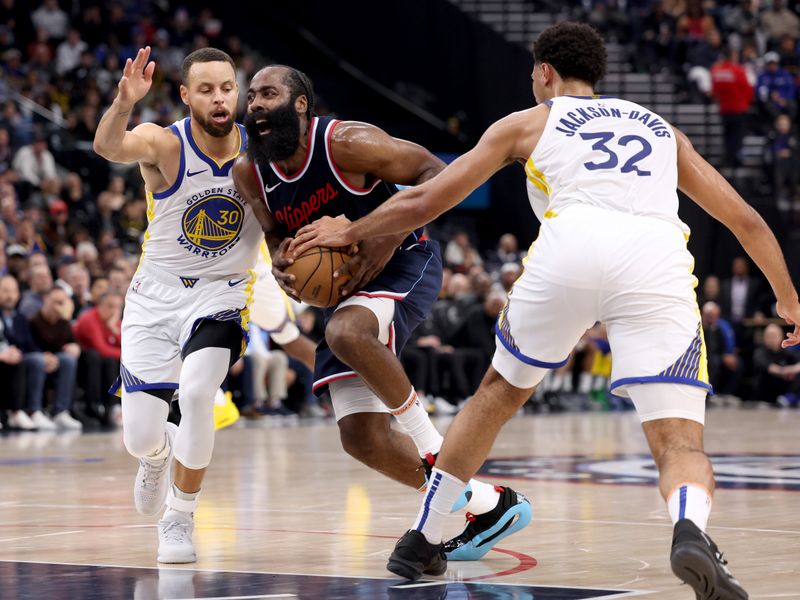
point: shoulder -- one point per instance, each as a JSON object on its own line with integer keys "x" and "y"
{"x": 347, "y": 134}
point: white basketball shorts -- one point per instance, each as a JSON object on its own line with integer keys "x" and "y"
{"x": 271, "y": 309}
{"x": 630, "y": 272}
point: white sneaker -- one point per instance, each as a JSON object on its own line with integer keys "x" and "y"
{"x": 42, "y": 421}
{"x": 175, "y": 538}
{"x": 19, "y": 419}
{"x": 154, "y": 478}
{"x": 443, "y": 407}
{"x": 64, "y": 420}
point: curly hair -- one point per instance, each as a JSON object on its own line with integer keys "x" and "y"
{"x": 574, "y": 50}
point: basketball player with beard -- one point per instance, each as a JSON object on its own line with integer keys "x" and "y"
{"x": 186, "y": 316}
{"x": 300, "y": 167}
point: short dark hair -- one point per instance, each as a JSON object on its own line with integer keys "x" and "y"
{"x": 204, "y": 55}
{"x": 575, "y": 50}
{"x": 299, "y": 84}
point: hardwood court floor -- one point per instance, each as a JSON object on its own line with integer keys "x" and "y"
{"x": 286, "y": 500}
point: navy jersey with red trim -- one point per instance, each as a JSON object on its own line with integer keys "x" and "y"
{"x": 319, "y": 188}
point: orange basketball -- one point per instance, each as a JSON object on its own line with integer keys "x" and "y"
{"x": 313, "y": 271}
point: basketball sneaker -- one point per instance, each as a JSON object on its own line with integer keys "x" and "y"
{"x": 697, "y": 562}
{"x": 153, "y": 479}
{"x": 225, "y": 411}
{"x": 175, "y": 538}
{"x": 482, "y": 532}
{"x": 512, "y": 513}
{"x": 413, "y": 555}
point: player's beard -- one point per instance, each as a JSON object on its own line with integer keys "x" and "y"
{"x": 211, "y": 128}
{"x": 282, "y": 140}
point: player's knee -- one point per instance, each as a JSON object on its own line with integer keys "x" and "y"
{"x": 362, "y": 443}
{"x": 142, "y": 435}
{"x": 344, "y": 339}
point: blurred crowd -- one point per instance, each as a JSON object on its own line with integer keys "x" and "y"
{"x": 71, "y": 225}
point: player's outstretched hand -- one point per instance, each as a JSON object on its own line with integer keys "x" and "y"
{"x": 790, "y": 312}
{"x": 279, "y": 264}
{"x": 137, "y": 77}
{"x": 326, "y": 231}
{"x": 367, "y": 263}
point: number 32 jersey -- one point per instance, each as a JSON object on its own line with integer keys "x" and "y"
{"x": 608, "y": 153}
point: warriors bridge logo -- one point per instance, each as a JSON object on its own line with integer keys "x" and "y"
{"x": 211, "y": 225}
{"x": 737, "y": 471}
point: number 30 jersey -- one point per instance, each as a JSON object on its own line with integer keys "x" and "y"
{"x": 201, "y": 227}
{"x": 608, "y": 153}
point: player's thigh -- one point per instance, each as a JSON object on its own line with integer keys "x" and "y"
{"x": 539, "y": 326}
{"x": 383, "y": 309}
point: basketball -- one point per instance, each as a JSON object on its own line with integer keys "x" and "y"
{"x": 313, "y": 271}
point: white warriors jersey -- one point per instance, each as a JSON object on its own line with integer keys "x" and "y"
{"x": 608, "y": 153}
{"x": 201, "y": 227}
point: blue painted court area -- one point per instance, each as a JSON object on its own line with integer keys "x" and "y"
{"x": 21, "y": 580}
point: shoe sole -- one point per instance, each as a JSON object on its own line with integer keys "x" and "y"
{"x": 699, "y": 571}
{"x": 475, "y": 551}
{"x": 177, "y": 560}
{"x": 414, "y": 570}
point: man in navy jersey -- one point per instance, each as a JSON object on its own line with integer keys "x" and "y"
{"x": 300, "y": 167}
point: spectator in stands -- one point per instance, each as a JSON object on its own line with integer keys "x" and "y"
{"x": 789, "y": 55}
{"x": 778, "y": 20}
{"x": 776, "y": 88}
{"x": 34, "y": 163}
{"x": 9, "y": 212}
{"x": 98, "y": 290}
{"x": 76, "y": 283}
{"x": 507, "y": 251}
{"x": 775, "y": 370}
{"x": 7, "y": 174}
{"x": 55, "y": 232}
{"x": 710, "y": 290}
{"x": 734, "y": 95}
{"x": 118, "y": 280}
{"x": 724, "y": 368}
{"x": 53, "y": 336}
{"x": 743, "y": 22}
{"x": 459, "y": 253}
{"x": 40, "y": 282}
{"x": 97, "y": 331}
{"x": 656, "y": 43}
{"x": 782, "y": 155}
{"x": 12, "y": 367}
{"x": 509, "y": 273}
{"x": 68, "y": 53}
{"x": 17, "y": 262}
{"x": 52, "y": 19}
{"x": 740, "y": 296}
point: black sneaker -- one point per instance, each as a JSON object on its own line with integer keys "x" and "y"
{"x": 512, "y": 513}
{"x": 697, "y": 562}
{"x": 414, "y": 555}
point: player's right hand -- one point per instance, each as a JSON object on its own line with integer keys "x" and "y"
{"x": 279, "y": 264}
{"x": 790, "y": 312}
{"x": 137, "y": 77}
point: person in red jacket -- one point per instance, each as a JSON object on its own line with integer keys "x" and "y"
{"x": 734, "y": 94}
{"x": 97, "y": 330}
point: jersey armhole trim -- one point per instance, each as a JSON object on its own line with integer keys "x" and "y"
{"x": 335, "y": 168}
{"x": 261, "y": 186}
{"x": 181, "y": 168}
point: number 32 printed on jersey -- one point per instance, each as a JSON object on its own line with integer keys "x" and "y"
{"x": 603, "y": 138}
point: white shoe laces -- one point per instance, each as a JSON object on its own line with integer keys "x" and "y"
{"x": 176, "y": 532}
{"x": 152, "y": 472}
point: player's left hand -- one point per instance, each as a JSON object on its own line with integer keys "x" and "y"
{"x": 367, "y": 263}
{"x": 790, "y": 312}
{"x": 326, "y": 231}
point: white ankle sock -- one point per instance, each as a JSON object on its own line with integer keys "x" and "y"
{"x": 690, "y": 501}
{"x": 484, "y": 497}
{"x": 181, "y": 501}
{"x": 414, "y": 420}
{"x": 442, "y": 493}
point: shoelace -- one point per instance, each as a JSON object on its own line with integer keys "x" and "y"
{"x": 175, "y": 531}
{"x": 152, "y": 473}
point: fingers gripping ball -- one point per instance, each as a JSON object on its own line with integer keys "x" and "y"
{"x": 313, "y": 271}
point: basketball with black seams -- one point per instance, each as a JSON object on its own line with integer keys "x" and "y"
{"x": 313, "y": 271}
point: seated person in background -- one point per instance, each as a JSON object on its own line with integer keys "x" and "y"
{"x": 97, "y": 331}
{"x": 724, "y": 369}
{"x": 775, "y": 369}
{"x": 53, "y": 335}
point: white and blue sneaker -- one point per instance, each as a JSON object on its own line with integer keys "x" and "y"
{"x": 512, "y": 513}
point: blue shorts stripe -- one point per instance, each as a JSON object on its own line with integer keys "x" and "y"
{"x": 661, "y": 379}
{"x": 526, "y": 359}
